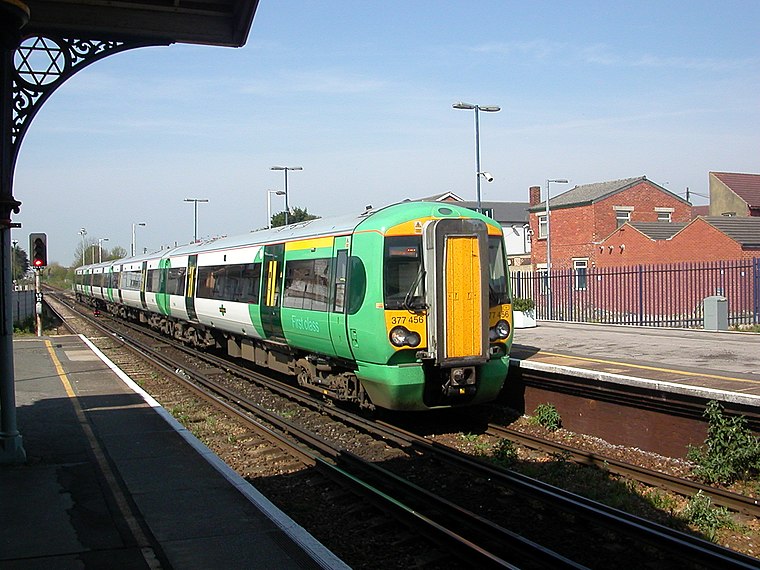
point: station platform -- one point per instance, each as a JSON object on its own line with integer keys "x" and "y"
{"x": 719, "y": 365}
{"x": 113, "y": 481}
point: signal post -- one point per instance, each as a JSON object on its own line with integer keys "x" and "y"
{"x": 38, "y": 247}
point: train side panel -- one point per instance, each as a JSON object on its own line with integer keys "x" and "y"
{"x": 227, "y": 289}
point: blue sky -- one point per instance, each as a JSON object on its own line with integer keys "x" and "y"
{"x": 360, "y": 95}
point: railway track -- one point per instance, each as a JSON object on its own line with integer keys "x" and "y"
{"x": 446, "y": 504}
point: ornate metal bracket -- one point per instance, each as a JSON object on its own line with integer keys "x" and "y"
{"x": 44, "y": 63}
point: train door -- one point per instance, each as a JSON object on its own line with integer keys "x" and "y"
{"x": 144, "y": 271}
{"x": 457, "y": 261}
{"x": 339, "y": 298}
{"x": 192, "y": 264}
{"x": 271, "y": 320}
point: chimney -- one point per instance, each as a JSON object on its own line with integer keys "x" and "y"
{"x": 534, "y": 195}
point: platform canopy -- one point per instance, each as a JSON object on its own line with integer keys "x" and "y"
{"x": 208, "y": 22}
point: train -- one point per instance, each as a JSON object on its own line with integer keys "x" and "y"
{"x": 406, "y": 307}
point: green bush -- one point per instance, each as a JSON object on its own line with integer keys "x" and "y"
{"x": 522, "y": 304}
{"x": 730, "y": 451}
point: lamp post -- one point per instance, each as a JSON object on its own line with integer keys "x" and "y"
{"x": 100, "y": 249}
{"x": 134, "y": 243}
{"x": 195, "y": 218}
{"x": 549, "y": 248}
{"x": 285, "y": 169}
{"x": 269, "y": 205}
{"x": 83, "y": 232}
{"x": 478, "y": 172}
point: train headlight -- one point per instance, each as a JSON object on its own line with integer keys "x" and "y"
{"x": 500, "y": 331}
{"x": 400, "y": 336}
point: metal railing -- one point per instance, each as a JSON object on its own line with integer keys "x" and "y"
{"x": 648, "y": 295}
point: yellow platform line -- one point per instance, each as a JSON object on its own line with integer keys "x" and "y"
{"x": 105, "y": 468}
{"x": 652, "y": 368}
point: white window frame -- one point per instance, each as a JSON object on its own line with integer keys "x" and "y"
{"x": 664, "y": 214}
{"x": 580, "y": 278}
{"x": 543, "y": 277}
{"x": 622, "y": 214}
{"x": 542, "y": 225}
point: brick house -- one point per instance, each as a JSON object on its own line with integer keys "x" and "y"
{"x": 709, "y": 238}
{"x": 733, "y": 194}
{"x": 584, "y": 216}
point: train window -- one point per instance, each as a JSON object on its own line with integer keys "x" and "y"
{"x": 251, "y": 283}
{"x": 357, "y": 285}
{"x": 131, "y": 280}
{"x": 153, "y": 284}
{"x": 239, "y": 283}
{"x": 175, "y": 280}
{"x": 403, "y": 283}
{"x": 498, "y": 284}
{"x": 307, "y": 284}
{"x": 341, "y": 273}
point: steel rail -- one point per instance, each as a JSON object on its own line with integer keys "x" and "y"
{"x": 684, "y": 545}
{"x": 721, "y": 497}
{"x": 347, "y": 468}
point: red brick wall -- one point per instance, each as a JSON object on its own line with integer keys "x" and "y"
{"x": 576, "y": 231}
{"x": 699, "y": 241}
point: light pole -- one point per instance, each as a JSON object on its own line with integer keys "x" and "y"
{"x": 285, "y": 169}
{"x": 269, "y": 205}
{"x": 134, "y": 243}
{"x": 549, "y": 248}
{"x": 100, "y": 249}
{"x": 195, "y": 226}
{"x": 83, "y": 232}
{"x": 478, "y": 172}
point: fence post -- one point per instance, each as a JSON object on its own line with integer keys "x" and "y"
{"x": 756, "y": 291}
{"x": 641, "y": 295}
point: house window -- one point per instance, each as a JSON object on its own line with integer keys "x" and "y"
{"x": 664, "y": 214}
{"x": 543, "y": 278}
{"x": 580, "y": 270}
{"x": 542, "y": 227}
{"x": 622, "y": 216}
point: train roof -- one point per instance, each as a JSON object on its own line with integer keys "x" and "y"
{"x": 378, "y": 219}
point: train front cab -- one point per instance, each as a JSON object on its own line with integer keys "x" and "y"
{"x": 447, "y": 316}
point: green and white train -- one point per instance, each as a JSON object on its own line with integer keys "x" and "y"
{"x": 407, "y": 307}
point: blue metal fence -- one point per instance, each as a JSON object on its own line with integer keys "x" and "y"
{"x": 648, "y": 295}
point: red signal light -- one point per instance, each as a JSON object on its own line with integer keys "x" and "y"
{"x": 38, "y": 247}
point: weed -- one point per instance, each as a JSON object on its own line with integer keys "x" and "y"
{"x": 504, "y": 453}
{"x": 662, "y": 501}
{"x": 708, "y": 519}
{"x": 547, "y": 416}
{"x": 730, "y": 451}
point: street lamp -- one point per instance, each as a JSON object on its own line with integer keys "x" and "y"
{"x": 133, "y": 236}
{"x": 83, "y": 232}
{"x": 285, "y": 169}
{"x": 269, "y": 205}
{"x": 195, "y": 226}
{"x": 549, "y": 247}
{"x": 100, "y": 249}
{"x": 478, "y": 172}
